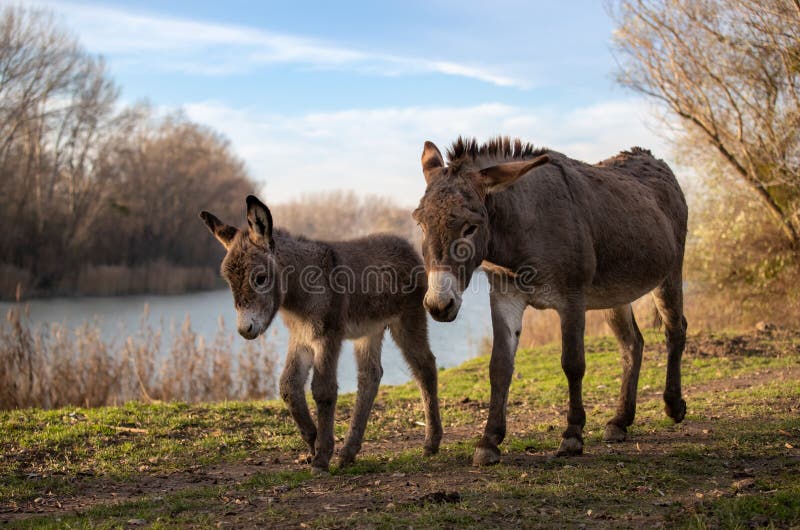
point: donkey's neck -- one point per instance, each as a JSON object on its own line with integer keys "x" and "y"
{"x": 502, "y": 215}
{"x": 302, "y": 262}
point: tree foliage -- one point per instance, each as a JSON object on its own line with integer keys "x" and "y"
{"x": 730, "y": 71}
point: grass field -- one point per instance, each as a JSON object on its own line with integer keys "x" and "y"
{"x": 733, "y": 463}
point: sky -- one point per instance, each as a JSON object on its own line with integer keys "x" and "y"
{"x": 317, "y": 96}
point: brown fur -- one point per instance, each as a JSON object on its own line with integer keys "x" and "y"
{"x": 575, "y": 237}
{"x": 327, "y": 292}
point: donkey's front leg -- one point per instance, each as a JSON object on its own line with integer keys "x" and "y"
{"x": 292, "y": 388}
{"x": 507, "y": 309}
{"x": 573, "y": 316}
{"x": 325, "y": 389}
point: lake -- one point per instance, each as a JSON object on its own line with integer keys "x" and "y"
{"x": 118, "y": 317}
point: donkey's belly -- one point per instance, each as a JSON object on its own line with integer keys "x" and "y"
{"x": 626, "y": 273}
{"x": 606, "y": 297}
{"x": 356, "y": 330}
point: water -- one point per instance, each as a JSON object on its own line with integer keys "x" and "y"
{"x": 118, "y": 317}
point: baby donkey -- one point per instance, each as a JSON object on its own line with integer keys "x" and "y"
{"x": 327, "y": 292}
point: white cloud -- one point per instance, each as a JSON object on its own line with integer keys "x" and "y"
{"x": 377, "y": 151}
{"x": 156, "y": 42}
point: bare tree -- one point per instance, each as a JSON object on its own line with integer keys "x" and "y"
{"x": 84, "y": 183}
{"x": 162, "y": 172}
{"x": 730, "y": 71}
{"x": 56, "y": 103}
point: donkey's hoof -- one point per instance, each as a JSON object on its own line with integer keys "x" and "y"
{"x": 614, "y": 433}
{"x": 486, "y": 456}
{"x": 676, "y": 410}
{"x": 320, "y": 471}
{"x": 347, "y": 456}
{"x": 432, "y": 440}
{"x": 430, "y": 450}
{"x": 570, "y": 447}
{"x": 346, "y": 462}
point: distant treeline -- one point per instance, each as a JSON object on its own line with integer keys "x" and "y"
{"x": 101, "y": 198}
{"x": 344, "y": 215}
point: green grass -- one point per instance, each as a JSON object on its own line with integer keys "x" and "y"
{"x": 676, "y": 475}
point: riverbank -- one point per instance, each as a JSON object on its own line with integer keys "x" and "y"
{"x": 157, "y": 277}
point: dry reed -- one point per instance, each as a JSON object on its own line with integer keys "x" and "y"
{"x": 53, "y": 366}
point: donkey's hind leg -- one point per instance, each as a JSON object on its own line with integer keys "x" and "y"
{"x": 410, "y": 333}
{"x": 368, "y": 360}
{"x": 631, "y": 344}
{"x": 669, "y": 302}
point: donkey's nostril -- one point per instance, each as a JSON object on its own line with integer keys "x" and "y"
{"x": 250, "y": 328}
{"x": 449, "y": 305}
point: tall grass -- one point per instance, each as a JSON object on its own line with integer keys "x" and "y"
{"x": 53, "y": 366}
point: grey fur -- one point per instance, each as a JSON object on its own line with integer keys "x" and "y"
{"x": 272, "y": 271}
{"x": 581, "y": 236}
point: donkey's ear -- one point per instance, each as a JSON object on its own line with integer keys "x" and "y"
{"x": 499, "y": 177}
{"x": 224, "y": 233}
{"x": 432, "y": 161}
{"x": 260, "y": 220}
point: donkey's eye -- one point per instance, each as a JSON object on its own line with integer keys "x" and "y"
{"x": 260, "y": 279}
{"x": 469, "y": 230}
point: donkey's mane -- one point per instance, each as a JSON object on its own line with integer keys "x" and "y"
{"x": 500, "y": 148}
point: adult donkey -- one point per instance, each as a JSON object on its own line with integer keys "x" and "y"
{"x": 556, "y": 233}
{"x": 327, "y": 292}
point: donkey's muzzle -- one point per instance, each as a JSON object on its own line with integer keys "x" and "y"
{"x": 442, "y": 300}
{"x": 249, "y": 332}
{"x": 249, "y": 325}
{"x": 447, "y": 313}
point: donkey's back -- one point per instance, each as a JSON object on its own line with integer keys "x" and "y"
{"x": 655, "y": 176}
{"x": 383, "y": 273}
{"x": 377, "y": 251}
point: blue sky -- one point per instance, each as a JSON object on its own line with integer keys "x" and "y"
{"x": 330, "y": 95}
